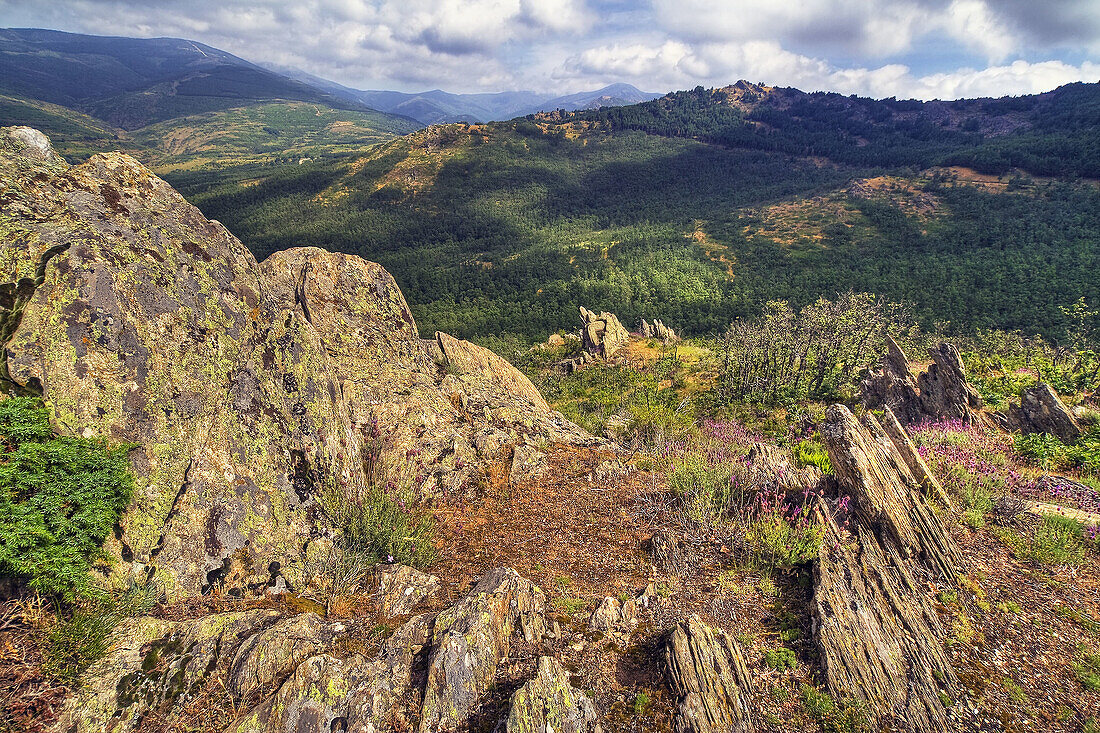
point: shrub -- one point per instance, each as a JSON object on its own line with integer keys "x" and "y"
{"x": 846, "y": 716}
{"x": 781, "y": 534}
{"x": 59, "y": 499}
{"x": 383, "y": 524}
{"x": 1041, "y": 449}
{"x": 780, "y": 659}
{"x": 705, "y": 486}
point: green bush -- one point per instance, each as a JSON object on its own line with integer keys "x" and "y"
{"x": 812, "y": 453}
{"x": 705, "y": 487}
{"x": 780, "y": 659}
{"x": 59, "y": 499}
{"x": 1041, "y": 449}
{"x": 846, "y": 716}
{"x": 1087, "y": 668}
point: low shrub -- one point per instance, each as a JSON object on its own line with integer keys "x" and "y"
{"x": 59, "y": 499}
{"x": 1056, "y": 540}
{"x": 781, "y": 534}
{"x": 812, "y": 453}
{"x": 780, "y": 659}
{"x": 845, "y": 716}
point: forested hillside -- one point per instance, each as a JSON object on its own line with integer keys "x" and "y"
{"x": 694, "y": 210}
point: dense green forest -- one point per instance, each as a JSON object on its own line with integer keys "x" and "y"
{"x": 507, "y": 228}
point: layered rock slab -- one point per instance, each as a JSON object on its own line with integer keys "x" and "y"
{"x": 707, "y": 671}
{"x": 878, "y": 634}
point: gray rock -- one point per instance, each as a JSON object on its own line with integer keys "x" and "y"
{"x": 549, "y": 704}
{"x": 1042, "y": 411}
{"x": 707, "y": 672}
{"x": 602, "y": 334}
{"x": 400, "y": 588}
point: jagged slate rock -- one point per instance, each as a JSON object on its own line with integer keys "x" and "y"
{"x": 602, "y": 334}
{"x": 877, "y": 633}
{"x": 870, "y": 468}
{"x": 400, "y": 588}
{"x": 664, "y": 547}
{"x": 771, "y": 465}
{"x": 613, "y": 617}
{"x": 251, "y": 389}
{"x": 944, "y": 391}
{"x": 549, "y": 704}
{"x": 462, "y": 357}
{"x": 470, "y": 639}
{"x": 353, "y": 694}
{"x": 901, "y": 441}
{"x": 1042, "y": 411}
{"x": 527, "y": 463}
{"x": 96, "y": 705}
{"x": 707, "y": 671}
{"x": 266, "y": 656}
{"x": 162, "y": 675}
{"x": 893, "y": 385}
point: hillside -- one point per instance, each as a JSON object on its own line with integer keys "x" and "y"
{"x": 133, "y": 82}
{"x": 690, "y": 209}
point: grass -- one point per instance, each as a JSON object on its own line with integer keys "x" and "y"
{"x": 1057, "y": 540}
{"x": 845, "y": 716}
{"x": 1087, "y": 668}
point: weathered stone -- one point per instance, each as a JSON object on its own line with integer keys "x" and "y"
{"x": 462, "y": 357}
{"x": 250, "y": 388}
{"x": 549, "y": 704}
{"x": 876, "y": 630}
{"x": 602, "y": 334}
{"x": 901, "y": 441}
{"x": 614, "y": 618}
{"x": 657, "y": 330}
{"x": 1042, "y": 411}
{"x": 773, "y": 467}
{"x": 469, "y": 641}
{"x": 156, "y": 665}
{"x": 400, "y": 588}
{"x": 527, "y": 463}
{"x": 870, "y": 468}
{"x": 266, "y": 656}
{"x": 707, "y": 671}
{"x": 944, "y": 391}
{"x": 939, "y": 393}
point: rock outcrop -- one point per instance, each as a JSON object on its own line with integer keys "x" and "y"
{"x": 657, "y": 330}
{"x": 602, "y": 334}
{"x": 879, "y": 637}
{"x": 1042, "y": 411}
{"x": 941, "y": 392}
{"x": 250, "y": 389}
{"x": 707, "y": 672}
{"x": 401, "y": 588}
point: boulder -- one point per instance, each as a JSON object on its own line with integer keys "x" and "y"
{"x": 878, "y": 636}
{"x": 549, "y": 704}
{"x": 944, "y": 391}
{"x": 269, "y": 654}
{"x": 470, "y": 640}
{"x": 707, "y": 672}
{"x": 1041, "y": 411}
{"x": 657, "y": 330}
{"x": 527, "y": 463}
{"x": 614, "y": 618}
{"x": 602, "y": 334}
{"x": 401, "y": 588}
{"x": 250, "y": 388}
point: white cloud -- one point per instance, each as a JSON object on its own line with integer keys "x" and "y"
{"x": 875, "y": 47}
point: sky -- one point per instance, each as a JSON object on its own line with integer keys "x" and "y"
{"x": 924, "y": 49}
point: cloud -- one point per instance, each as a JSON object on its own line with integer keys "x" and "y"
{"x": 922, "y": 48}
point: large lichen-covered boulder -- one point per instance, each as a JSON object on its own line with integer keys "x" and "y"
{"x": 250, "y": 390}
{"x": 549, "y": 704}
{"x": 156, "y": 665}
{"x": 707, "y": 671}
{"x": 462, "y": 357}
{"x": 1042, "y": 411}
